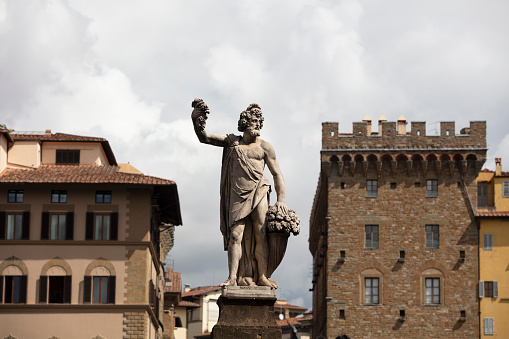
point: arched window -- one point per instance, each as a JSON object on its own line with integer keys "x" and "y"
{"x": 13, "y": 285}
{"x": 99, "y": 283}
{"x": 55, "y": 283}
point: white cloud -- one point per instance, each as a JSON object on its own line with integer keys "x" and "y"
{"x": 128, "y": 71}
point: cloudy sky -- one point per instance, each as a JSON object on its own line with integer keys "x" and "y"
{"x": 128, "y": 71}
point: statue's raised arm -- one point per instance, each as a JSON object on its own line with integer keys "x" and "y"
{"x": 199, "y": 117}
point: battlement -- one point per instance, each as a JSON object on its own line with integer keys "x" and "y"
{"x": 393, "y": 135}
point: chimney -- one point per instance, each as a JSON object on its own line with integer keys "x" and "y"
{"x": 187, "y": 288}
{"x": 382, "y": 119}
{"x": 498, "y": 163}
{"x": 402, "y": 125}
{"x": 367, "y": 119}
{"x": 47, "y": 133}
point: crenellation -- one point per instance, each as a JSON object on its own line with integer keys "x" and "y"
{"x": 473, "y": 137}
{"x": 447, "y": 129}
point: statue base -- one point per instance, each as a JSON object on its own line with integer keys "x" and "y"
{"x": 247, "y": 312}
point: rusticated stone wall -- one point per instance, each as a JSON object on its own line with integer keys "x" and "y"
{"x": 401, "y": 164}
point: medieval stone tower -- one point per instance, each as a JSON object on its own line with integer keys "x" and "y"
{"x": 393, "y": 233}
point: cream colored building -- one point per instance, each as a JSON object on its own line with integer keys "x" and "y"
{"x": 201, "y": 319}
{"x": 82, "y": 243}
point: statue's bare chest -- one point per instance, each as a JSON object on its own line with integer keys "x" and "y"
{"x": 253, "y": 151}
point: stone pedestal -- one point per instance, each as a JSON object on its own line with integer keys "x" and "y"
{"x": 247, "y": 313}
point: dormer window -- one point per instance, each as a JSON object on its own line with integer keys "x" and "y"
{"x": 68, "y": 157}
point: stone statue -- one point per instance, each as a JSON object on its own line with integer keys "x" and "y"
{"x": 244, "y": 203}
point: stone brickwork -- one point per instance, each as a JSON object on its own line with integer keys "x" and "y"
{"x": 135, "y": 325}
{"x": 136, "y": 280}
{"x": 167, "y": 236}
{"x": 400, "y": 164}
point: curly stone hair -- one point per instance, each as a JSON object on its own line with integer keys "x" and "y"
{"x": 245, "y": 116}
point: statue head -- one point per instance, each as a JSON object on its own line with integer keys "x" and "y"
{"x": 251, "y": 111}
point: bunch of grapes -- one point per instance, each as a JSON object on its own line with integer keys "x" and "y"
{"x": 278, "y": 222}
{"x": 200, "y": 105}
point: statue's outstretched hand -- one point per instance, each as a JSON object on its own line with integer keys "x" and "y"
{"x": 200, "y": 109}
{"x": 281, "y": 207}
{"x": 199, "y": 114}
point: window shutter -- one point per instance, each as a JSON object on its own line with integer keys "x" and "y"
{"x": 25, "y": 230}
{"x": 43, "y": 289}
{"x": 89, "y": 232}
{"x": 45, "y": 226}
{"x": 505, "y": 189}
{"x": 67, "y": 288}
{"x": 488, "y": 242}
{"x": 114, "y": 226}
{"x": 481, "y": 289}
{"x": 69, "y": 226}
{"x": 1, "y": 288}
{"x": 111, "y": 290}
{"x": 489, "y": 326}
{"x": 495, "y": 289}
{"x": 2, "y": 225}
{"x": 87, "y": 289}
{"x": 23, "y": 289}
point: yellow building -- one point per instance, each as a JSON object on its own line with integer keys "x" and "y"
{"x": 493, "y": 216}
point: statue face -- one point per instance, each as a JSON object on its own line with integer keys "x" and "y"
{"x": 254, "y": 126}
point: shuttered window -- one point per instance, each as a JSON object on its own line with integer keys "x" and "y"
{"x": 489, "y": 325}
{"x": 505, "y": 185}
{"x": 487, "y": 241}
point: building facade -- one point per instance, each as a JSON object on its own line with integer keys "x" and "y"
{"x": 82, "y": 243}
{"x": 393, "y": 232}
{"x": 493, "y": 216}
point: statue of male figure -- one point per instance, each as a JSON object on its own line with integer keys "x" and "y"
{"x": 244, "y": 194}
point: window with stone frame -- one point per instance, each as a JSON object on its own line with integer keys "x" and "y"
{"x": 55, "y": 287}
{"x": 57, "y": 226}
{"x": 99, "y": 287}
{"x": 371, "y": 291}
{"x": 101, "y": 226}
{"x": 432, "y": 286}
{"x": 14, "y": 225}
{"x": 372, "y": 188}
{"x": 371, "y": 236}
{"x": 432, "y": 236}
{"x": 432, "y": 283}
{"x": 13, "y": 286}
{"x": 431, "y": 188}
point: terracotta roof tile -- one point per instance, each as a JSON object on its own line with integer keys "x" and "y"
{"x": 55, "y": 137}
{"x": 73, "y": 174}
{"x": 492, "y": 214}
{"x": 293, "y": 321}
{"x": 200, "y": 290}
{"x": 185, "y": 303}
{"x": 284, "y": 305}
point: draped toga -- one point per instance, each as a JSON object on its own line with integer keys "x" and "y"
{"x": 243, "y": 186}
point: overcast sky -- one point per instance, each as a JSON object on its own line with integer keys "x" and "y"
{"x": 129, "y": 70}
